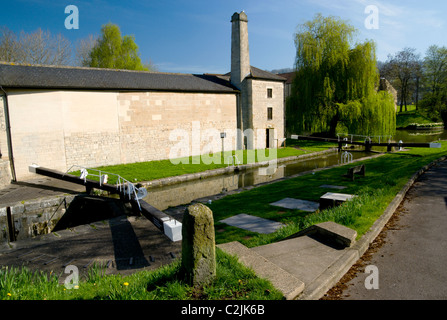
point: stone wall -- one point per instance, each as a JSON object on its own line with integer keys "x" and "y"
{"x": 33, "y": 217}
{"x": 260, "y": 102}
{"x": 152, "y": 124}
{"x": 58, "y": 129}
{"x": 37, "y": 217}
{"x": 385, "y": 85}
{"x": 5, "y": 173}
{"x": 3, "y": 141}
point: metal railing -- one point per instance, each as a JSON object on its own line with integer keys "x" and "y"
{"x": 124, "y": 186}
{"x": 363, "y": 137}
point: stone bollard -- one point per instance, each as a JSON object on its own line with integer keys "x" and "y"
{"x": 198, "y": 245}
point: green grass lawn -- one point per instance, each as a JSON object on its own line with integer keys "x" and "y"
{"x": 385, "y": 176}
{"x": 233, "y": 281}
{"x": 151, "y": 170}
{"x": 412, "y": 116}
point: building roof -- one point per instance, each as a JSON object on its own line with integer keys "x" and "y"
{"x": 289, "y": 76}
{"x": 256, "y": 73}
{"x": 59, "y": 77}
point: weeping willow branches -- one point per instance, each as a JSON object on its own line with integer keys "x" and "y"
{"x": 336, "y": 82}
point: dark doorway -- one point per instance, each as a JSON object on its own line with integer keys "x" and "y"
{"x": 267, "y": 139}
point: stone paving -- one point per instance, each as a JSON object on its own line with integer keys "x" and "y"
{"x": 122, "y": 245}
{"x": 36, "y": 188}
{"x": 329, "y": 186}
{"x": 252, "y": 223}
{"x": 290, "y": 203}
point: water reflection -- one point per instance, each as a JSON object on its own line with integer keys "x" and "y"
{"x": 420, "y": 135}
{"x": 183, "y": 193}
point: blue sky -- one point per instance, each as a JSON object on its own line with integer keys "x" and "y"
{"x": 194, "y": 36}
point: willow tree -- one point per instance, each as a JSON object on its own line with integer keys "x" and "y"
{"x": 336, "y": 82}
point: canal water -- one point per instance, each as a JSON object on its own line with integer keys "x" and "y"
{"x": 420, "y": 135}
{"x": 183, "y": 193}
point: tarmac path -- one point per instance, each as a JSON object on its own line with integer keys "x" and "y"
{"x": 410, "y": 253}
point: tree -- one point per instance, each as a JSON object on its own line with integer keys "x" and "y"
{"x": 435, "y": 68}
{"x": 83, "y": 49}
{"x": 114, "y": 51}
{"x": 10, "y": 50}
{"x": 336, "y": 82}
{"x": 38, "y": 47}
{"x": 401, "y": 68}
{"x": 418, "y": 76}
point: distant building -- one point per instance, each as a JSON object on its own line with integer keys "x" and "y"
{"x": 62, "y": 116}
{"x": 289, "y": 76}
{"x": 385, "y": 85}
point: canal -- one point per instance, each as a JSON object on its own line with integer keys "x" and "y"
{"x": 163, "y": 197}
{"x": 420, "y": 135}
{"x": 173, "y": 195}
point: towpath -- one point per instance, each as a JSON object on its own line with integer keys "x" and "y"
{"x": 408, "y": 258}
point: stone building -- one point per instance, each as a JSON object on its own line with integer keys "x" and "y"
{"x": 385, "y": 85}
{"x": 62, "y": 116}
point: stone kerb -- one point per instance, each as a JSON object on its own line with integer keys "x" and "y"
{"x": 198, "y": 245}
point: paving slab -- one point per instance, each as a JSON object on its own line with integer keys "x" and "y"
{"x": 306, "y": 261}
{"x": 252, "y": 223}
{"x": 330, "y": 186}
{"x": 41, "y": 187}
{"x": 331, "y": 199}
{"x": 304, "y": 257}
{"x": 337, "y": 196}
{"x": 289, "y": 285}
{"x": 291, "y": 203}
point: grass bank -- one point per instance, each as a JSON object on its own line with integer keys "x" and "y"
{"x": 233, "y": 281}
{"x": 412, "y": 118}
{"x": 152, "y": 170}
{"x": 385, "y": 177}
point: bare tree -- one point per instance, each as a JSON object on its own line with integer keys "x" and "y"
{"x": 83, "y": 49}
{"x": 400, "y": 70}
{"x": 61, "y": 50}
{"x": 35, "y": 47}
{"x": 41, "y": 47}
{"x": 418, "y": 76}
{"x": 38, "y": 47}
{"x": 10, "y": 50}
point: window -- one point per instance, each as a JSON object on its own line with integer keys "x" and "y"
{"x": 269, "y": 93}
{"x": 269, "y": 113}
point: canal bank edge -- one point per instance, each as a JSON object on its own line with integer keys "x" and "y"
{"x": 230, "y": 169}
{"x": 339, "y": 268}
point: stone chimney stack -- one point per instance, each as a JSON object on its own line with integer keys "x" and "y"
{"x": 240, "y": 58}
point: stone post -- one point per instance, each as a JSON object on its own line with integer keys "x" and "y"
{"x": 198, "y": 245}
